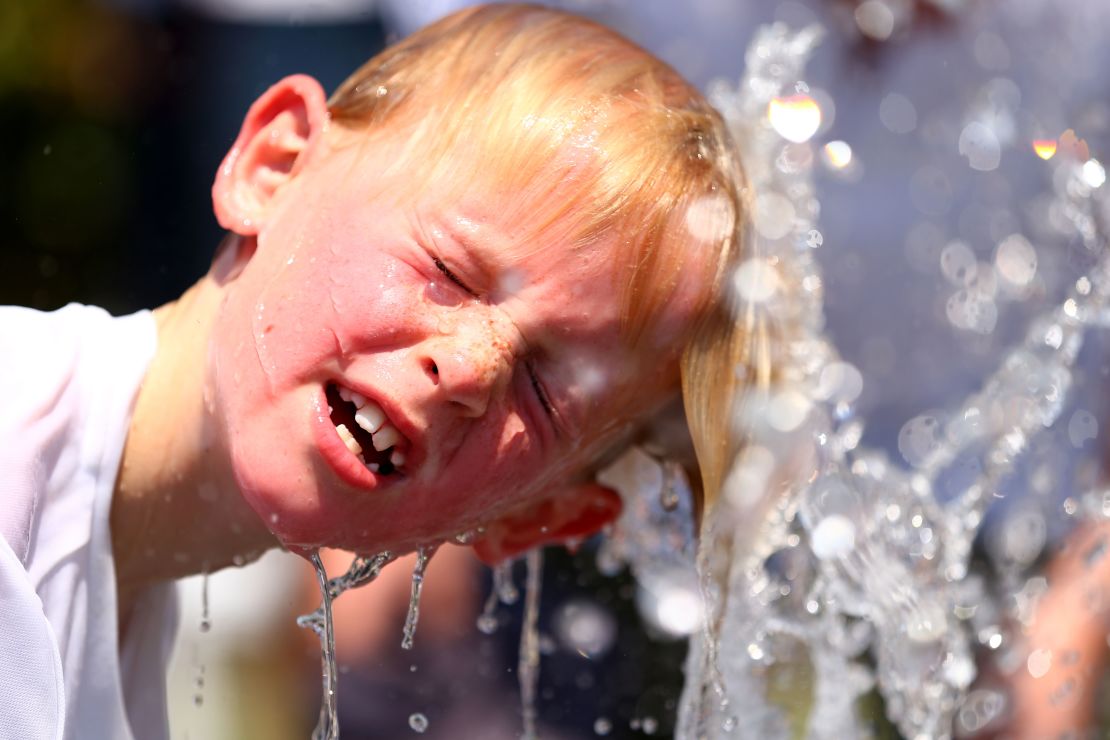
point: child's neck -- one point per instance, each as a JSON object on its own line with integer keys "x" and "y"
{"x": 176, "y": 510}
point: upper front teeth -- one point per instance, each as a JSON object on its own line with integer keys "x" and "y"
{"x": 386, "y": 437}
{"x": 370, "y": 416}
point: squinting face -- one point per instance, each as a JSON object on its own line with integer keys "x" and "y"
{"x": 480, "y": 365}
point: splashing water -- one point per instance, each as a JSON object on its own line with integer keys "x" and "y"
{"x": 362, "y": 570}
{"x": 418, "y": 723}
{"x": 528, "y": 662}
{"x": 825, "y": 563}
{"x": 502, "y": 591}
{"x": 423, "y": 555}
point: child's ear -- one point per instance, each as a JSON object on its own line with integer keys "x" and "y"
{"x": 278, "y": 132}
{"x": 573, "y": 513}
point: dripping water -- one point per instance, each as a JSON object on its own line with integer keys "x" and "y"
{"x": 528, "y": 666}
{"x": 503, "y": 583}
{"x": 205, "y": 626}
{"x": 504, "y": 591}
{"x": 327, "y": 726}
{"x": 363, "y": 570}
{"x": 423, "y": 555}
{"x": 205, "y": 622}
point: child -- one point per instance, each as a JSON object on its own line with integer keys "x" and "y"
{"x": 445, "y": 295}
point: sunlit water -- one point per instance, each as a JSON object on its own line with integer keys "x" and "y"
{"x": 363, "y": 570}
{"x": 827, "y": 570}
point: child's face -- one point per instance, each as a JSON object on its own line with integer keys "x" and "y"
{"x": 348, "y": 292}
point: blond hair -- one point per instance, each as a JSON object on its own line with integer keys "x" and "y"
{"x": 563, "y": 113}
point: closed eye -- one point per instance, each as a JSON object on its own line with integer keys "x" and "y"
{"x": 452, "y": 276}
{"x": 541, "y": 394}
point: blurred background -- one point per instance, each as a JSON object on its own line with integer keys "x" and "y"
{"x": 115, "y": 114}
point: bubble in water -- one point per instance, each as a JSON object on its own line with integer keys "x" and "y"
{"x": 487, "y": 624}
{"x": 756, "y": 280}
{"x": 898, "y": 114}
{"x": 980, "y": 145}
{"x": 1016, "y": 260}
{"x": 840, "y": 381}
{"x": 787, "y": 410}
{"x": 585, "y": 628}
{"x": 958, "y": 263}
{"x": 834, "y": 536}
{"x": 875, "y": 19}
{"x": 1082, "y": 428}
{"x": 1022, "y": 536}
{"x": 919, "y": 439}
{"x": 602, "y": 726}
{"x": 418, "y": 722}
{"x": 649, "y": 725}
{"x": 980, "y": 708}
{"x": 773, "y": 215}
{"x": 972, "y": 312}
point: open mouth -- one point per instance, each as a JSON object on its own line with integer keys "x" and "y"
{"x": 366, "y": 430}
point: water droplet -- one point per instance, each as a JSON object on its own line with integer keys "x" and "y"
{"x": 795, "y": 118}
{"x": 898, "y": 114}
{"x": 1015, "y": 261}
{"x": 875, "y": 19}
{"x": 1039, "y": 662}
{"x": 919, "y": 439}
{"x": 1082, "y": 428}
{"x": 585, "y": 628}
{"x": 1094, "y": 174}
{"x": 602, "y": 726}
{"x": 980, "y": 145}
{"x": 487, "y": 624}
{"x": 838, "y": 154}
{"x": 756, "y": 280}
{"x": 958, "y": 264}
{"x": 787, "y": 410}
{"x": 418, "y": 722}
{"x": 773, "y": 215}
{"x": 834, "y": 536}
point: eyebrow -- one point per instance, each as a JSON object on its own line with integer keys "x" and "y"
{"x": 470, "y": 245}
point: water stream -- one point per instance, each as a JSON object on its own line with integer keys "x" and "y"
{"x": 362, "y": 570}
{"x": 826, "y": 565}
{"x": 423, "y": 555}
{"x": 528, "y": 660}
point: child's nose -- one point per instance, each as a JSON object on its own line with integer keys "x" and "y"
{"x": 469, "y": 366}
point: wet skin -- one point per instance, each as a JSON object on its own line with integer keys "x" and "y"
{"x": 491, "y": 355}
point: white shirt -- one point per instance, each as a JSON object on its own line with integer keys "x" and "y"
{"x": 69, "y": 381}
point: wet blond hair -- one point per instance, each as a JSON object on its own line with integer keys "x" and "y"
{"x": 584, "y": 133}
